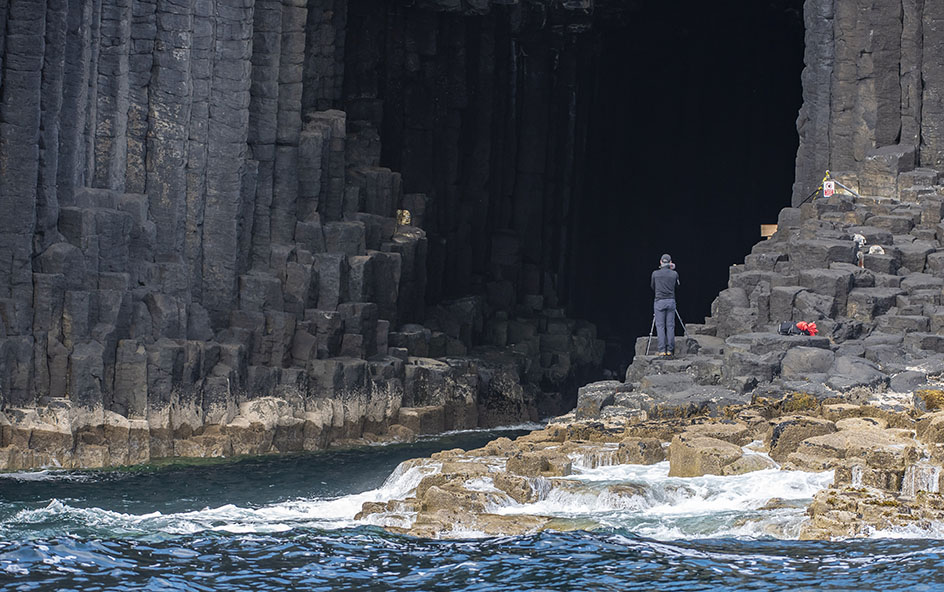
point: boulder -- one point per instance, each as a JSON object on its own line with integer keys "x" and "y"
{"x": 865, "y": 304}
{"x": 423, "y": 420}
{"x": 592, "y": 398}
{"x": 849, "y": 372}
{"x": 786, "y": 433}
{"x": 694, "y": 456}
{"x": 640, "y": 451}
{"x": 728, "y": 431}
{"x": 538, "y": 464}
{"x": 800, "y": 362}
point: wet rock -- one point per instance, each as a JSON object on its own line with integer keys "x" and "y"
{"x": 802, "y": 361}
{"x": 539, "y": 464}
{"x": 641, "y": 451}
{"x": 786, "y": 433}
{"x": 694, "y": 456}
{"x": 592, "y": 398}
{"x": 728, "y": 431}
{"x": 847, "y": 373}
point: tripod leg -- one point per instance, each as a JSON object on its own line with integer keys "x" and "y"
{"x": 651, "y": 329}
{"x": 684, "y": 329}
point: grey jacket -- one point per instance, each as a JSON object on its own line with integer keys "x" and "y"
{"x": 663, "y": 283}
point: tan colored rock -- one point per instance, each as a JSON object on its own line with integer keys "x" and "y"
{"x": 861, "y": 423}
{"x": 368, "y": 508}
{"x": 498, "y": 447}
{"x": 516, "y": 487}
{"x": 640, "y": 451}
{"x": 423, "y": 420}
{"x": 539, "y": 464}
{"x": 856, "y": 473}
{"x": 798, "y": 461}
{"x": 139, "y": 442}
{"x": 434, "y": 480}
{"x": 552, "y": 433}
{"x": 930, "y": 427}
{"x": 451, "y": 454}
{"x": 662, "y": 430}
{"x": 90, "y": 456}
{"x": 161, "y": 442}
{"x": 595, "y": 431}
{"x": 778, "y": 503}
{"x": 289, "y": 434}
{"x": 8, "y": 458}
{"x": 399, "y": 433}
{"x": 466, "y": 470}
{"x": 729, "y": 431}
{"x": 6, "y": 431}
{"x": 837, "y": 411}
{"x": 510, "y": 525}
{"x": 749, "y": 463}
{"x": 589, "y": 455}
{"x": 117, "y": 434}
{"x": 207, "y": 445}
{"x": 697, "y": 456}
{"x": 247, "y": 438}
{"x": 880, "y": 448}
{"x": 786, "y": 433}
{"x": 851, "y": 512}
{"x": 314, "y": 436}
{"x": 454, "y": 499}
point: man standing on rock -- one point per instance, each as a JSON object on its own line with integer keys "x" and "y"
{"x": 663, "y": 284}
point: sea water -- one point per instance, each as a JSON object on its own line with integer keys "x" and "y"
{"x": 287, "y": 522}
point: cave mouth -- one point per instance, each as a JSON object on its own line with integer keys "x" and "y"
{"x": 563, "y": 151}
{"x": 692, "y": 144}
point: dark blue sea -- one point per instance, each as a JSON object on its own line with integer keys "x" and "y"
{"x": 287, "y": 523}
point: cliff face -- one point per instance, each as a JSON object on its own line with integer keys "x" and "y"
{"x": 874, "y": 77}
{"x": 200, "y": 243}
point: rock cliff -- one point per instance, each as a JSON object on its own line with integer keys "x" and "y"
{"x": 203, "y": 255}
{"x": 873, "y": 78}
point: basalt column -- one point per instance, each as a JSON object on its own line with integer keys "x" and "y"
{"x": 872, "y": 80}
{"x": 483, "y": 115}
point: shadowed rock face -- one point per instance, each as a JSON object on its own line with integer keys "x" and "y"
{"x": 203, "y": 254}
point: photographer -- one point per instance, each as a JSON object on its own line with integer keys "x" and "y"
{"x": 663, "y": 283}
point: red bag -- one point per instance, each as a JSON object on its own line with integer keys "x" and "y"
{"x": 808, "y": 328}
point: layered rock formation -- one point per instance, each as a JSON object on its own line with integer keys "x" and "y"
{"x": 873, "y": 78}
{"x": 205, "y": 257}
{"x": 886, "y": 469}
{"x": 878, "y": 320}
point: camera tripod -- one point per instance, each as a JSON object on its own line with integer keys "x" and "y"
{"x": 652, "y": 329}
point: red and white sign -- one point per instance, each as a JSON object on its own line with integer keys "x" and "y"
{"x": 829, "y": 188}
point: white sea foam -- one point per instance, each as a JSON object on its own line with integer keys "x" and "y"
{"x": 328, "y": 513}
{"x": 518, "y": 427}
{"x": 47, "y": 475}
{"x": 638, "y": 498}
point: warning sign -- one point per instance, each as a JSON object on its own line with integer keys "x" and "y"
{"x": 829, "y": 188}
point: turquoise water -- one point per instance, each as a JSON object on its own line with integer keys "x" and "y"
{"x": 287, "y": 523}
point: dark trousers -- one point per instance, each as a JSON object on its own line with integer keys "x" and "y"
{"x": 665, "y": 323}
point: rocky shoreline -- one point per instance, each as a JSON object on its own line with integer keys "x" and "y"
{"x": 862, "y": 399}
{"x": 886, "y": 467}
{"x": 388, "y": 399}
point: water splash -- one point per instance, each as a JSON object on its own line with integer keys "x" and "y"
{"x": 920, "y": 477}
{"x": 856, "y": 475}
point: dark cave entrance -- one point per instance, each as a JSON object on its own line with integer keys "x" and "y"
{"x": 562, "y": 156}
{"x": 691, "y": 147}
